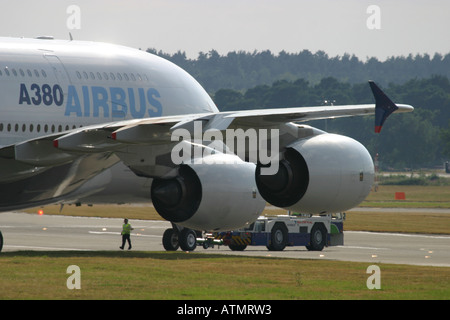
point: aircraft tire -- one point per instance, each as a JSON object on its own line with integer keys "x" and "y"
{"x": 170, "y": 240}
{"x": 1, "y": 241}
{"x": 188, "y": 240}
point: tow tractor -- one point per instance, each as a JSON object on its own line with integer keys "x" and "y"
{"x": 277, "y": 232}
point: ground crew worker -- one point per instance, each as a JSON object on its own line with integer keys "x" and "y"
{"x": 126, "y": 231}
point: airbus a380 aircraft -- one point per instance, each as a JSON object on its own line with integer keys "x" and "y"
{"x": 92, "y": 122}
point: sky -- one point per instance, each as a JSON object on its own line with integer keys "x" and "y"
{"x": 366, "y": 28}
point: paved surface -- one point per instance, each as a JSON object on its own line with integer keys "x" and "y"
{"x": 23, "y": 231}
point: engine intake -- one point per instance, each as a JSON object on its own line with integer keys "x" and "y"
{"x": 289, "y": 184}
{"x": 177, "y": 199}
{"x": 326, "y": 173}
{"x": 218, "y": 193}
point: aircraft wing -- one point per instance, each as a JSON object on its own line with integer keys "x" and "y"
{"x": 59, "y": 148}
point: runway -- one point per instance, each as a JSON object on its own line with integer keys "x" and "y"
{"x": 23, "y": 231}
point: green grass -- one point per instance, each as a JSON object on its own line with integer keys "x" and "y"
{"x": 417, "y": 179}
{"x": 416, "y": 197}
{"x": 403, "y": 222}
{"x": 161, "y": 275}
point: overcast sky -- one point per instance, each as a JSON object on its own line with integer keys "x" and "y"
{"x": 400, "y": 27}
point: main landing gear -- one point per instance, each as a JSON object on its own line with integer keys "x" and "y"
{"x": 184, "y": 238}
{"x": 1, "y": 241}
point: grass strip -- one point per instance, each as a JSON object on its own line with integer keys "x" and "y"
{"x": 179, "y": 275}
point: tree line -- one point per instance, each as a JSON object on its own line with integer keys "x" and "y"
{"x": 241, "y": 70}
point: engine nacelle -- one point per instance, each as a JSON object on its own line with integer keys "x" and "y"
{"x": 214, "y": 193}
{"x": 326, "y": 173}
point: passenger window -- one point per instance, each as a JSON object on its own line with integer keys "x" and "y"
{"x": 78, "y": 75}
{"x": 7, "y": 71}
{"x": 126, "y": 77}
{"x": 22, "y": 73}
{"x": 36, "y": 73}
{"x": 43, "y": 73}
{"x": 29, "y": 73}
{"x": 113, "y": 77}
{"x": 105, "y": 75}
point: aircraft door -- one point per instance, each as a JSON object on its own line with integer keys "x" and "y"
{"x": 59, "y": 70}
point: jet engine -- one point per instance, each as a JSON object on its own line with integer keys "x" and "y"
{"x": 326, "y": 173}
{"x": 217, "y": 192}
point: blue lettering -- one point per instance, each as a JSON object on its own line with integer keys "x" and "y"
{"x": 24, "y": 96}
{"x": 58, "y": 95}
{"x": 100, "y": 100}
{"x": 156, "y": 109}
{"x": 73, "y": 102}
{"x": 37, "y": 99}
{"x": 47, "y": 96}
{"x": 42, "y": 94}
{"x": 134, "y": 112}
{"x": 115, "y": 101}
{"x": 119, "y": 108}
{"x": 86, "y": 101}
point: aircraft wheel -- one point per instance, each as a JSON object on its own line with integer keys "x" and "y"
{"x": 1, "y": 241}
{"x": 188, "y": 240}
{"x": 318, "y": 237}
{"x": 170, "y": 240}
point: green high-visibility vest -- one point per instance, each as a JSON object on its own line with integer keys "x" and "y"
{"x": 126, "y": 229}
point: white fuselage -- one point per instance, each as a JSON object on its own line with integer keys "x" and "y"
{"x": 50, "y": 86}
